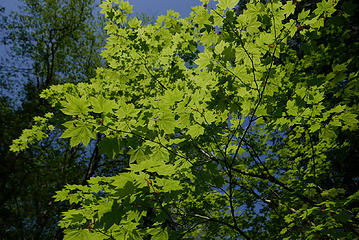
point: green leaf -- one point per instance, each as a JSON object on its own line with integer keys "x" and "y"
{"x": 160, "y": 154}
{"x": 314, "y": 127}
{"x": 332, "y": 193}
{"x": 167, "y": 123}
{"x": 253, "y": 24}
{"x": 138, "y": 155}
{"x": 158, "y": 233}
{"x": 227, "y": 4}
{"x": 204, "y": 59}
{"x": 126, "y": 6}
{"x": 353, "y": 198}
{"x": 163, "y": 235}
{"x": 102, "y": 105}
{"x": 218, "y": 49}
{"x": 79, "y": 133}
{"x": 303, "y": 14}
{"x": 126, "y": 110}
{"x": 109, "y": 146}
{"x": 75, "y": 105}
{"x": 83, "y": 234}
{"x": 61, "y": 195}
{"x": 195, "y": 130}
{"x": 288, "y": 8}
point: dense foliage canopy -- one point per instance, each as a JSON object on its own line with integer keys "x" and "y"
{"x": 234, "y": 123}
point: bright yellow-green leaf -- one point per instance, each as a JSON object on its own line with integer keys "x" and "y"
{"x": 227, "y": 3}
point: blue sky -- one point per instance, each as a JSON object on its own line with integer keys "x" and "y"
{"x": 160, "y": 7}
{"x": 9, "y": 5}
{"x": 150, "y": 7}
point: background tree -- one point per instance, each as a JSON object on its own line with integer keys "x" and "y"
{"x": 232, "y": 123}
{"x": 48, "y": 42}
